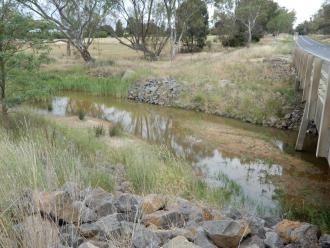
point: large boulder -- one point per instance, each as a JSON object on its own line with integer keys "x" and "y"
{"x": 273, "y": 240}
{"x": 303, "y": 234}
{"x": 144, "y": 238}
{"x": 187, "y": 209}
{"x": 100, "y": 201}
{"x": 128, "y": 203}
{"x": 257, "y": 226}
{"x": 285, "y": 227}
{"x": 306, "y": 236}
{"x": 109, "y": 225}
{"x": 61, "y": 206}
{"x": 180, "y": 242}
{"x": 153, "y": 202}
{"x": 325, "y": 241}
{"x": 89, "y": 230}
{"x": 72, "y": 190}
{"x": 226, "y": 233}
{"x": 253, "y": 242}
{"x": 164, "y": 219}
{"x": 202, "y": 240}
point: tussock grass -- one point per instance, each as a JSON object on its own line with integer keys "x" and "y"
{"x": 77, "y": 81}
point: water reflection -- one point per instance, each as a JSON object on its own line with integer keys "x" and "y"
{"x": 164, "y": 126}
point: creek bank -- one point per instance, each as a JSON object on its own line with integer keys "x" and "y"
{"x": 92, "y": 217}
{"x": 167, "y": 92}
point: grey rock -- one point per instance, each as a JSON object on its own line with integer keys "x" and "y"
{"x": 94, "y": 197}
{"x": 72, "y": 190}
{"x": 127, "y": 203}
{"x": 185, "y": 208}
{"x": 89, "y": 230}
{"x": 109, "y": 225}
{"x": 70, "y": 236}
{"x": 231, "y": 213}
{"x": 164, "y": 219}
{"x": 257, "y": 225}
{"x": 202, "y": 240}
{"x": 325, "y": 241}
{"x": 271, "y": 221}
{"x": 180, "y": 242}
{"x": 86, "y": 214}
{"x": 226, "y": 233}
{"x": 273, "y": 240}
{"x": 105, "y": 207}
{"x": 155, "y": 91}
{"x": 306, "y": 236}
{"x": 253, "y": 242}
{"x": 144, "y": 238}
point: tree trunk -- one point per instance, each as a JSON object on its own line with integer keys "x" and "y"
{"x": 68, "y": 48}
{"x": 5, "y": 117}
{"x": 85, "y": 54}
{"x": 4, "y": 109}
{"x": 250, "y": 35}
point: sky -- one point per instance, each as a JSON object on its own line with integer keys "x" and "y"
{"x": 304, "y": 8}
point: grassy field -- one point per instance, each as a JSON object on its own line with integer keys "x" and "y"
{"x": 225, "y": 81}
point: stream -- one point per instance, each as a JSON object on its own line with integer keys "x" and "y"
{"x": 300, "y": 177}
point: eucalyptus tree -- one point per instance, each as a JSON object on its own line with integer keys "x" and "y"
{"x": 246, "y": 12}
{"x": 78, "y": 20}
{"x": 147, "y": 25}
{"x": 18, "y": 33}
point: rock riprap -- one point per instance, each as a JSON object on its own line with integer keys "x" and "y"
{"x": 161, "y": 91}
{"x": 94, "y": 218}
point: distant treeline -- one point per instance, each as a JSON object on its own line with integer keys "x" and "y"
{"x": 319, "y": 23}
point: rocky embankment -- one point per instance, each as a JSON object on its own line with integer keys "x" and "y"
{"x": 92, "y": 218}
{"x": 167, "y": 92}
{"x": 161, "y": 91}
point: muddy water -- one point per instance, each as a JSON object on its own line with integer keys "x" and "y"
{"x": 298, "y": 176}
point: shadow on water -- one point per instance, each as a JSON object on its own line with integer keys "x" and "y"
{"x": 259, "y": 180}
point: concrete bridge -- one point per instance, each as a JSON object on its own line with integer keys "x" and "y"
{"x": 312, "y": 62}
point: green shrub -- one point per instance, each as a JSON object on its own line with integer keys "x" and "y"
{"x": 99, "y": 131}
{"x": 81, "y": 115}
{"x": 115, "y": 130}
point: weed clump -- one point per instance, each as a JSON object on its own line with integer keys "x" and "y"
{"x": 115, "y": 130}
{"x": 99, "y": 131}
{"x": 81, "y": 115}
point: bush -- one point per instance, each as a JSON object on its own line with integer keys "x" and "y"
{"x": 81, "y": 115}
{"x": 115, "y": 130}
{"x": 99, "y": 131}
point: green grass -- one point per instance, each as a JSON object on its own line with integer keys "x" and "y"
{"x": 115, "y": 130}
{"x": 305, "y": 212}
{"x": 95, "y": 85}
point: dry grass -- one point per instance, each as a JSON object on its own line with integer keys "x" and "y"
{"x": 322, "y": 38}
